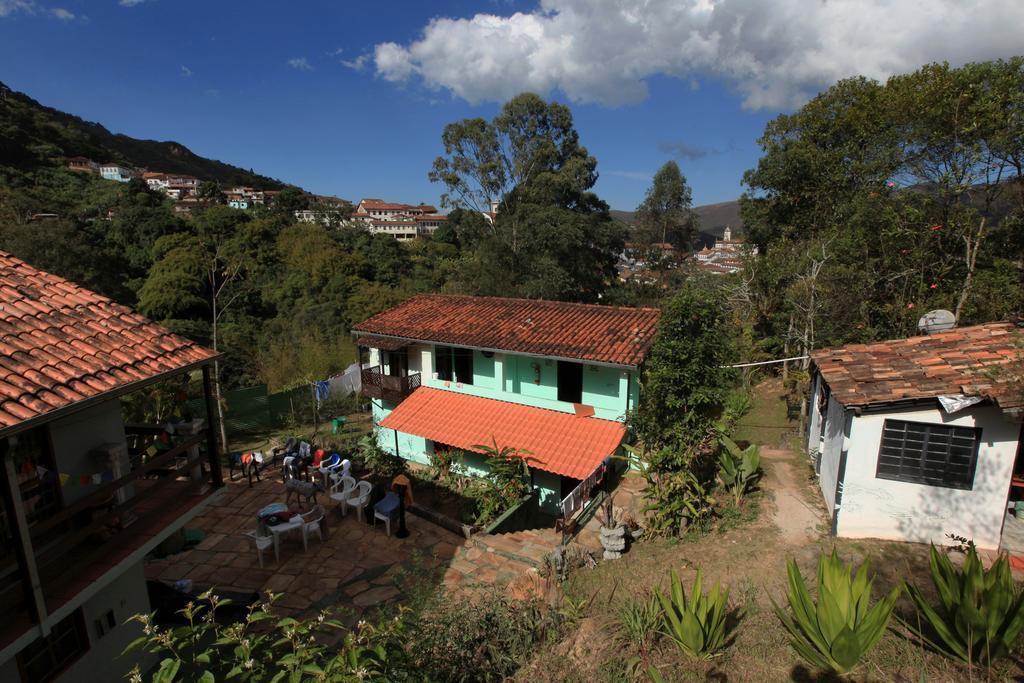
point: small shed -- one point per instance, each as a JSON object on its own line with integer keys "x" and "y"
{"x": 916, "y": 439}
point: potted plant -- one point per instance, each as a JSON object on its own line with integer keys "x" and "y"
{"x": 613, "y": 531}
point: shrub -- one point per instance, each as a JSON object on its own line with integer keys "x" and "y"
{"x": 260, "y": 648}
{"x": 695, "y": 623}
{"x": 841, "y": 628}
{"x": 376, "y": 459}
{"x": 981, "y": 613}
{"x": 739, "y": 470}
{"x": 639, "y": 620}
{"x": 484, "y": 639}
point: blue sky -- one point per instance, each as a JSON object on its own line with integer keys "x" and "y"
{"x": 266, "y": 85}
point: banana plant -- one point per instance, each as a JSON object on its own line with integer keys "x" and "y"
{"x": 695, "y": 623}
{"x": 981, "y": 613}
{"x": 739, "y": 469}
{"x": 841, "y": 628}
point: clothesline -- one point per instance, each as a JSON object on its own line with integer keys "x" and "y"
{"x": 765, "y": 362}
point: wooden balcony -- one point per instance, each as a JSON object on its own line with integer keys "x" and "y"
{"x": 377, "y": 384}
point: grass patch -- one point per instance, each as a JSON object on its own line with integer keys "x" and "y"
{"x": 767, "y": 422}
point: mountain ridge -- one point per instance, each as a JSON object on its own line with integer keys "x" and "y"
{"x": 34, "y": 134}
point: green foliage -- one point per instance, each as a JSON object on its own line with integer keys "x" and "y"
{"x": 685, "y": 383}
{"x": 507, "y": 481}
{"x": 980, "y": 613}
{"x": 639, "y": 620}
{"x": 739, "y": 469}
{"x": 376, "y": 459}
{"x": 263, "y": 647}
{"x": 696, "y": 623}
{"x": 484, "y": 639}
{"x": 552, "y": 238}
{"x": 842, "y": 627}
{"x": 665, "y": 214}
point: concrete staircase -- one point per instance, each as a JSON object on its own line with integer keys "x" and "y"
{"x": 527, "y": 547}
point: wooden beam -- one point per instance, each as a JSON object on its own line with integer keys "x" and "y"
{"x": 213, "y": 451}
{"x": 27, "y": 569}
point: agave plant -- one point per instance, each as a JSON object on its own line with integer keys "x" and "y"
{"x": 695, "y": 623}
{"x": 739, "y": 469}
{"x": 842, "y": 627}
{"x": 981, "y": 613}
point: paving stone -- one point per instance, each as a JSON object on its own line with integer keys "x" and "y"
{"x": 375, "y": 596}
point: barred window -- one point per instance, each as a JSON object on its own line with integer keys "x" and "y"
{"x": 932, "y": 454}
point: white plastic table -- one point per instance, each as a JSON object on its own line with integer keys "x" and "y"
{"x": 279, "y": 529}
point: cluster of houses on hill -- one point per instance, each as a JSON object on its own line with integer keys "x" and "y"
{"x": 647, "y": 264}
{"x": 401, "y": 221}
{"x": 726, "y": 256}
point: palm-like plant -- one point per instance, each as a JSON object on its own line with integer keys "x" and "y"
{"x": 842, "y": 627}
{"x": 981, "y": 614}
{"x": 739, "y": 469}
{"x": 695, "y": 623}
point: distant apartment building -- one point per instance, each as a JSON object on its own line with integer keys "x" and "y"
{"x": 83, "y": 165}
{"x": 402, "y": 221}
{"x": 121, "y": 174}
{"x": 156, "y": 181}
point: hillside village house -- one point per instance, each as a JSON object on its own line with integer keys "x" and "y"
{"x": 121, "y": 174}
{"x": 402, "y": 221}
{"x": 552, "y": 378}
{"x": 918, "y": 438}
{"x": 85, "y": 495}
{"x": 83, "y": 165}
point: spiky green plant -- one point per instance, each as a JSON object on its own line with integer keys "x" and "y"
{"x": 842, "y": 627}
{"x": 739, "y": 469}
{"x": 695, "y": 623}
{"x": 981, "y": 614}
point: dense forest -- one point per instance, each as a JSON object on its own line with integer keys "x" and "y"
{"x": 872, "y": 204}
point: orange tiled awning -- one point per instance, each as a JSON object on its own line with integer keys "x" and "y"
{"x": 561, "y": 443}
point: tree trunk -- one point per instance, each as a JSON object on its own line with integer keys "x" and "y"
{"x": 216, "y": 381}
{"x": 971, "y": 248}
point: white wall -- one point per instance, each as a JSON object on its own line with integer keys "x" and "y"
{"x": 125, "y": 596}
{"x": 882, "y": 508}
{"x": 831, "y": 445}
{"x": 75, "y": 436}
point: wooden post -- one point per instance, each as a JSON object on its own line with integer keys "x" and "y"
{"x": 27, "y": 569}
{"x": 216, "y": 477}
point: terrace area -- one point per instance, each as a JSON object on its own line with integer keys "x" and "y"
{"x": 357, "y": 567}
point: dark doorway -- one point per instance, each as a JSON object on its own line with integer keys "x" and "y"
{"x": 570, "y": 382}
{"x": 398, "y": 363}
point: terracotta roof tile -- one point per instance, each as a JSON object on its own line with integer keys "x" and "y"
{"x": 61, "y": 343}
{"x": 958, "y": 361}
{"x": 604, "y": 334}
{"x": 558, "y": 442}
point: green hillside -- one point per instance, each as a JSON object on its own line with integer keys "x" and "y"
{"x": 33, "y": 135}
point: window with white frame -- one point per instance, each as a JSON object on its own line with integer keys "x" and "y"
{"x": 932, "y": 454}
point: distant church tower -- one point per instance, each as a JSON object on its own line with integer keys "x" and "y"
{"x": 727, "y": 235}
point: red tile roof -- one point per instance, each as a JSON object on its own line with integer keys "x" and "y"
{"x": 603, "y": 334}
{"x": 959, "y": 361}
{"x": 558, "y": 442}
{"x": 61, "y": 344}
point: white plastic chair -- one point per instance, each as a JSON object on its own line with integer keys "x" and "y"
{"x": 329, "y": 467}
{"x": 384, "y": 518}
{"x": 360, "y": 497}
{"x": 341, "y": 490}
{"x": 311, "y": 525}
{"x": 261, "y": 543}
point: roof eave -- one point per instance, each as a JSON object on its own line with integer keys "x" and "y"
{"x": 117, "y": 392}
{"x": 415, "y": 340}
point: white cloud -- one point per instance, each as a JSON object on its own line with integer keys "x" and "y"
{"x": 300, "y": 63}
{"x": 357, "y": 64}
{"x": 185, "y": 71}
{"x": 630, "y": 175}
{"x": 8, "y": 7}
{"x": 776, "y": 54}
{"x": 131, "y": 3}
{"x": 62, "y": 14}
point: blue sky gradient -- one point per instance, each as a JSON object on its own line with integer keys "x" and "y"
{"x": 263, "y": 85}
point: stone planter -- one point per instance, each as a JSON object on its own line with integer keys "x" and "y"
{"x": 613, "y": 540}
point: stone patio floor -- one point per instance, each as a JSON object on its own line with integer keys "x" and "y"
{"x": 357, "y": 567}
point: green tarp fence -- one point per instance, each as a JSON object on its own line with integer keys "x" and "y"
{"x": 253, "y": 409}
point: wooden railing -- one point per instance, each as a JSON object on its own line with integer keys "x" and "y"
{"x": 377, "y": 384}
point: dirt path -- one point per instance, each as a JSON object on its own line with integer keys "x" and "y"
{"x": 797, "y": 519}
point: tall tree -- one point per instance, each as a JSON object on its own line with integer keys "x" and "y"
{"x": 665, "y": 214}
{"x": 551, "y": 237}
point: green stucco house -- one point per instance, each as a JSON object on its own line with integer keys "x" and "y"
{"x": 552, "y": 378}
